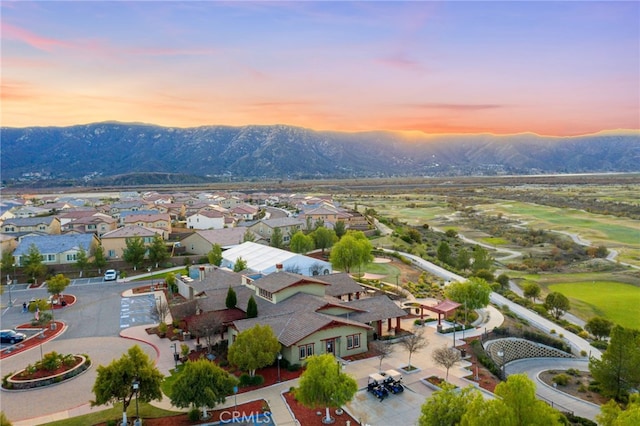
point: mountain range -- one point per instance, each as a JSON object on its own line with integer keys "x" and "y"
{"x": 94, "y": 152}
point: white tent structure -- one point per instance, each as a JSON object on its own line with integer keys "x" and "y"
{"x": 263, "y": 259}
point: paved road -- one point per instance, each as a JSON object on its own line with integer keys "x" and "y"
{"x": 562, "y": 401}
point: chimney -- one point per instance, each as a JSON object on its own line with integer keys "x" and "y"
{"x": 278, "y": 267}
{"x": 201, "y": 268}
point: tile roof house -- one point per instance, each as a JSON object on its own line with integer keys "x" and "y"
{"x": 287, "y": 225}
{"x": 206, "y": 219}
{"x": 98, "y": 223}
{"x": 57, "y": 249}
{"x": 44, "y": 224}
{"x": 115, "y": 242}
{"x": 149, "y": 220}
{"x": 200, "y": 242}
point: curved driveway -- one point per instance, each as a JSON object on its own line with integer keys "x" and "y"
{"x": 560, "y": 400}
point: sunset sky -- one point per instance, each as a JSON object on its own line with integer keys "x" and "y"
{"x": 552, "y": 68}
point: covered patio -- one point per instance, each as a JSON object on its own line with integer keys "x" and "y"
{"x": 443, "y": 308}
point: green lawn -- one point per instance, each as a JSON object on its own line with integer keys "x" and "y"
{"x": 494, "y": 241}
{"x": 114, "y": 413}
{"x": 615, "y": 301}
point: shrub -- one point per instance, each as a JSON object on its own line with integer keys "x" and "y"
{"x": 561, "y": 379}
{"x": 582, "y": 388}
{"x": 194, "y": 414}
{"x": 583, "y": 334}
{"x": 246, "y": 380}
{"x": 111, "y": 422}
{"x": 552, "y": 331}
{"x": 573, "y": 372}
{"x": 294, "y": 367}
{"x": 600, "y": 344}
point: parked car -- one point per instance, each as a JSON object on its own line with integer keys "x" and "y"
{"x": 10, "y": 336}
{"x": 110, "y": 275}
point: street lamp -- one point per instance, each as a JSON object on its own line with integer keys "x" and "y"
{"x": 279, "y": 358}
{"x": 455, "y": 324}
{"x": 136, "y": 388}
{"x": 175, "y": 355}
{"x": 501, "y": 354}
{"x": 10, "y": 304}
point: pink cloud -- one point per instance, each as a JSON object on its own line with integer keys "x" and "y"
{"x": 402, "y": 61}
{"x": 456, "y": 107}
{"x": 34, "y": 40}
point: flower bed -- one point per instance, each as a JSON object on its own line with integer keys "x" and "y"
{"x": 64, "y": 368}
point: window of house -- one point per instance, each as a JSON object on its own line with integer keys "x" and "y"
{"x": 306, "y": 351}
{"x": 353, "y": 341}
{"x": 49, "y": 257}
{"x": 111, "y": 253}
{"x": 71, "y": 256}
{"x": 265, "y": 294}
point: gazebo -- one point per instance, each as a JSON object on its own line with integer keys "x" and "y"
{"x": 442, "y": 308}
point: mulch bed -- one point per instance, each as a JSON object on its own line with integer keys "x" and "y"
{"x": 486, "y": 379}
{"x": 270, "y": 374}
{"x": 41, "y": 374}
{"x": 310, "y": 417}
{"x": 574, "y": 384}
{"x": 246, "y": 409}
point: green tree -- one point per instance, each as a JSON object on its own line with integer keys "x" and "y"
{"x": 612, "y": 415}
{"x": 232, "y": 299}
{"x": 323, "y": 384}
{"x": 444, "y": 252}
{"x": 114, "y": 382}
{"x": 503, "y": 280}
{"x": 481, "y": 259}
{"x": 240, "y": 265}
{"x": 33, "y": 265}
{"x": 447, "y": 406}
{"x": 57, "y": 284}
{"x": 557, "y": 304}
{"x": 340, "y": 228}
{"x": 135, "y": 251}
{"x": 170, "y": 279}
{"x": 7, "y": 262}
{"x": 301, "y": 243}
{"x": 99, "y": 260}
{"x": 215, "y": 255}
{"x": 517, "y": 405}
{"x": 4, "y": 421}
{"x": 531, "y": 290}
{"x": 248, "y": 237}
{"x": 324, "y": 238}
{"x": 463, "y": 262}
{"x": 254, "y": 348}
{"x": 473, "y": 293}
{"x": 252, "y": 308}
{"x": 276, "y": 239}
{"x": 352, "y": 250}
{"x": 618, "y": 371}
{"x": 82, "y": 261}
{"x": 451, "y": 233}
{"x": 158, "y": 252}
{"x": 201, "y": 384}
{"x": 599, "y": 327}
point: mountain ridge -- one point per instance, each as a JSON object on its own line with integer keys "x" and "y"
{"x": 88, "y": 151}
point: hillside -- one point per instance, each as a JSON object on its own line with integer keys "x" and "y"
{"x": 95, "y": 151}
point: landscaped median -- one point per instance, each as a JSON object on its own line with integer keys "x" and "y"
{"x": 53, "y": 368}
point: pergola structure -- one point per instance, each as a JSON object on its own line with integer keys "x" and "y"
{"x": 442, "y": 308}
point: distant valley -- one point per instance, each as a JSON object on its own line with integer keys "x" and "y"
{"x": 132, "y": 154}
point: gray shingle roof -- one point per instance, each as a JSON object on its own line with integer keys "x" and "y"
{"x": 374, "y": 309}
{"x": 340, "y": 284}
{"x": 53, "y": 244}
{"x": 290, "y": 328}
{"x": 30, "y": 221}
{"x": 280, "y": 280}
